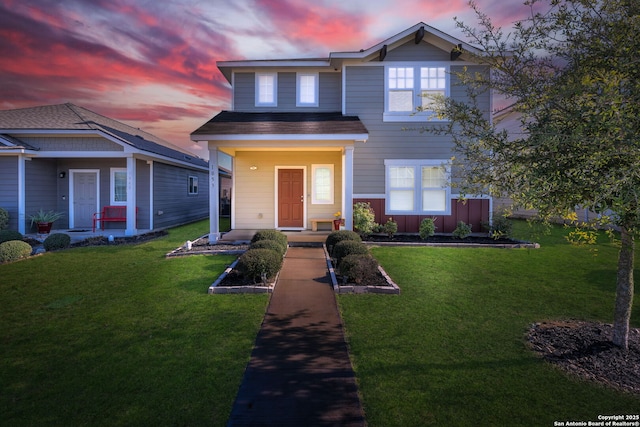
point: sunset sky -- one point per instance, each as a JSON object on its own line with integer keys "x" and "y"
{"x": 152, "y": 63}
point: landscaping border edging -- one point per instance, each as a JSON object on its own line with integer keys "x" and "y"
{"x": 250, "y": 289}
{"x": 392, "y": 289}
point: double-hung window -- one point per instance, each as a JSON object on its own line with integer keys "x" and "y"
{"x": 307, "y": 89}
{"x": 410, "y": 91}
{"x": 417, "y": 187}
{"x": 266, "y": 89}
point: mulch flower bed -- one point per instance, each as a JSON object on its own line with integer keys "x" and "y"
{"x": 585, "y": 349}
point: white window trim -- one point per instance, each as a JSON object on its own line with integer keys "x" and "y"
{"x": 418, "y": 164}
{"x": 112, "y": 187}
{"x": 413, "y": 116}
{"x": 190, "y": 179}
{"x": 314, "y": 199}
{"x": 275, "y": 90}
{"x": 316, "y": 95}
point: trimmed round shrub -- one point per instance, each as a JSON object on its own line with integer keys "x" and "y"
{"x": 4, "y": 219}
{"x": 7, "y": 235}
{"x": 57, "y": 241}
{"x": 268, "y": 244}
{"x": 14, "y": 250}
{"x": 359, "y": 269}
{"x": 259, "y": 264}
{"x": 348, "y": 247}
{"x": 276, "y": 235}
{"x": 501, "y": 227}
{"x": 340, "y": 235}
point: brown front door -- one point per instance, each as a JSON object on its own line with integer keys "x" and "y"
{"x": 290, "y": 198}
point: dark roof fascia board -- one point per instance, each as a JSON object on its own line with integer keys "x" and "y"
{"x": 228, "y": 67}
{"x": 281, "y": 137}
{"x": 432, "y": 35}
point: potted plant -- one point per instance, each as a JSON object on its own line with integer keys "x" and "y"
{"x": 44, "y": 220}
{"x": 337, "y": 221}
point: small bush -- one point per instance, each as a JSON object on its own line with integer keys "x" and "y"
{"x": 268, "y": 244}
{"x": 4, "y": 219}
{"x": 427, "y": 228}
{"x": 390, "y": 227}
{"x": 259, "y": 264}
{"x": 339, "y": 236}
{"x": 7, "y": 235}
{"x": 501, "y": 227}
{"x": 363, "y": 218}
{"x": 276, "y": 235}
{"x": 359, "y": 268}
{"x": 14, "y": 250}
{"x": 462, "y": 231}
{"x": 57, "y": 241}
{"x": 348, "y": 247}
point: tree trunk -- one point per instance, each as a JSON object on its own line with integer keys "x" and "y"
{"x": 624, "y": 290}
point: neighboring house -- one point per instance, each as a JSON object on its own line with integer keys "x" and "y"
{"x": 69, "y": 159}
{"x": 311, "y": 137}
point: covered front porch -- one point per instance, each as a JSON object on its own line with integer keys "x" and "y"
{"x": 289, "y": 169}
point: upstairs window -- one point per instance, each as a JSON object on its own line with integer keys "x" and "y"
{"x": 408, "y": 88}
{"x": 266, "y": 89}
{"x": 307, "y": 90}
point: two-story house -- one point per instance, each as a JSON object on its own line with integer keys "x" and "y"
{"x": 311, "y": 137}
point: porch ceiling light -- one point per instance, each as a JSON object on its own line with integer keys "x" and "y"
{"x": 253, "y": 168}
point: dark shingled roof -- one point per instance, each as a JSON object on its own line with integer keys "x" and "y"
{"x": 72, "y": 117}
{"x": 235, "y": 123}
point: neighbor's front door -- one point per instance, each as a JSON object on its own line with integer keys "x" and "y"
{"x": 290, "y": 198}
{"x": 85, "y": 195}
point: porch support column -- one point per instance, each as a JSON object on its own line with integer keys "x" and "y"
{"x": 347, "y": 189}
{"x": 131, "y": 197}
{"x": 214, "y": 197}
{"x": 22, "y": 215}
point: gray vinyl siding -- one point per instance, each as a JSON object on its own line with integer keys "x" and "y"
{"x": 329, "y": 93}
{"x": 78, "y": 143}
{"x": 171, "y": 196}
{"x": 387, "y": 140}
{"x": 9, "y": 189}
{"x": 417, "y": 52}
{"x": 41, "y": 190}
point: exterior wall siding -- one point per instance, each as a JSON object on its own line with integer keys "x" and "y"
{"x": 9, "y": 189}
{"x": 143, "y": 194}
{"x": 472, "y": 211}
{"x": 329, "y": 93}
{"x": 171, "y": 202}
{"x": 255, "y": 189}
{"x": 41, "y": 190}
{"x": 83, "y": 143}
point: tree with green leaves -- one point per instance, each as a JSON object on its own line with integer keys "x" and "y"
{"x": 572, "y": 75}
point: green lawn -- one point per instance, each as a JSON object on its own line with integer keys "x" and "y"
{"x": 121, "y": 336}
{"x": 450, "y": 350}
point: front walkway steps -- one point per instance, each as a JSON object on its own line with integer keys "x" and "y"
{"x": 300, "y": 373}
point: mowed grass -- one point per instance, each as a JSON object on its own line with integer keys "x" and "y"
{"x": 122, "y": 336}
{"x": 451, "y": 349}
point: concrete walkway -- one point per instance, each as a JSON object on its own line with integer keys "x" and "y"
{"x": 300, "y": 373}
